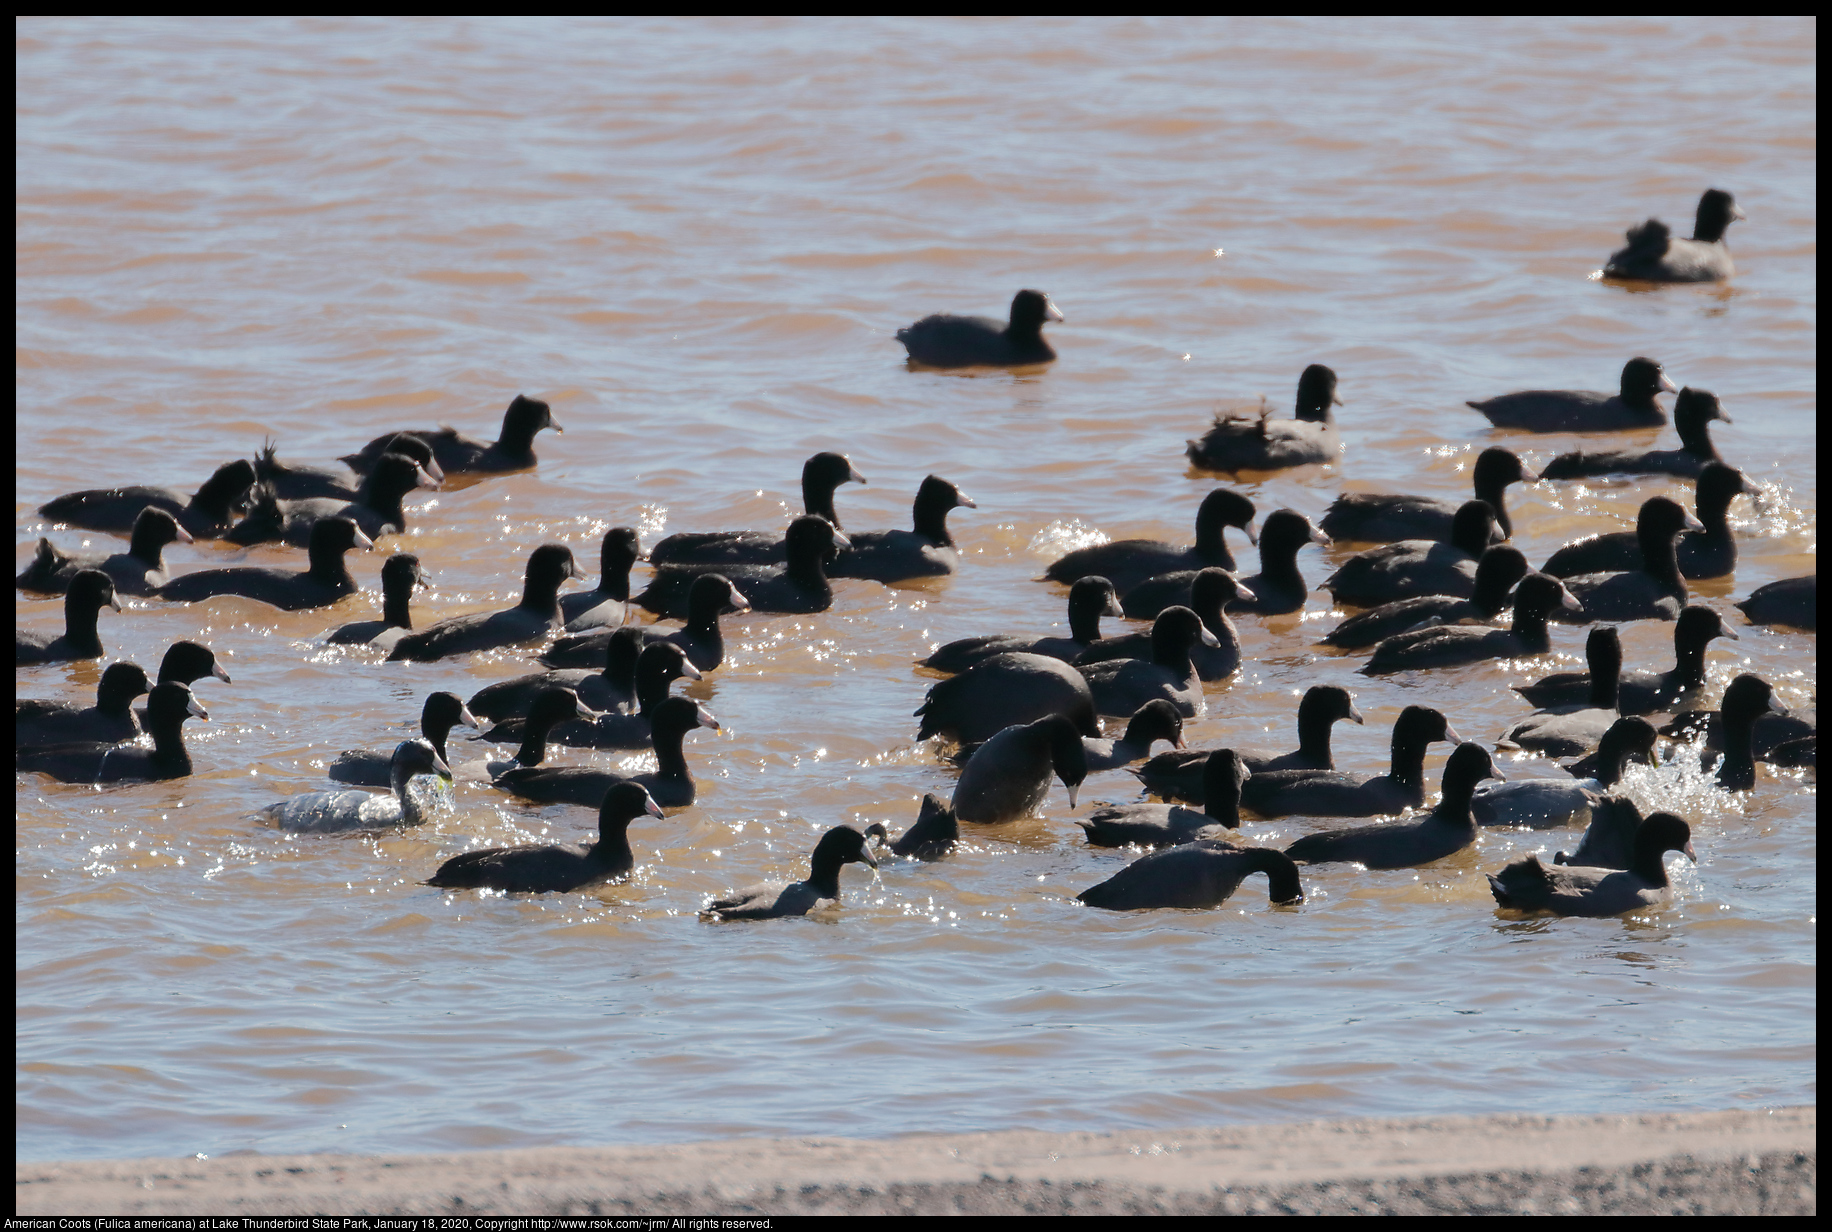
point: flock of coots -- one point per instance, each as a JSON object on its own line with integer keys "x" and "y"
{"x": 1016, "y": 711}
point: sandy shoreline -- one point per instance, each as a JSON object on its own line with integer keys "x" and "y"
{"x": 1739, "y": 1162}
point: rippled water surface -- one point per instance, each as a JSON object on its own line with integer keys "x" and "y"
{"x": 696, "y": 240}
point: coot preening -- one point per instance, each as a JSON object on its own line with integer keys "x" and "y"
{"x": 1497, "y": 570}
{"x": 1413, "y": 567}
{"x": 1573, "y": 731}
{"x": 1327, "y": 793}
{"x": 169, "y": 706}
{"x": 945, "y": 341}
{"x": 1535, "y": 599}
{"x": 1707, "y": 553}
{"x": 926, "y": 551}
{"x": 608, "y": 603}
{"x": 1008, "y": 777}
{"x": 400, "y": 574}
{"x": 462, "y": 455}
{"x": 933, "y": 834}
{"x": 327, "y": 812}
{"x": 1793, "y": 602}
{"x": 1261, "y": 443}
{"x": 41, "y": 722}
{"x": 1127, "y": 562}
{"x": 90, "y": 591}
{"x": 536, "y": 616}
{"x": 712, "y": 595}
{"x": 1199, "y": 874}
{"x": 1005, "y": 691}
{"x": 1209, "y": 592}
{"x": 1121, "y": 686}
{"x": 1160, "y": 825}
{"x": 1447, "y": 829}
{"x": 1564, "y": 410}
{"x": 1652, "y": 591}
{"x": 323, "y": 582}
{"x": 377, "y": 509}
{"x": 1643, "y": 691}
{"x": 821, "y": 475}
{"x": 1565, "y": 889}
{"x": 1693, "y": 412}
{"x": 1090, "y": 598}
{"x": 1541, "y": 803}
{"x": 140, "y": 570}
{"x": 1654, "y": 254}
{"x": 798, "y": 585}
{"x": 611, "y": 690}
{"x": 367, "y": 768}
{"x": 659, "y": 664}
{"x": 206, "y": 515}
{"x": 553, "y": 869}
{"x": 1382, "y": 517}
{"x": 1178, "y": 775}
{"x": 1154, "y": 721}
{"x": 671, "y": 783}
{"x": 773, "y": 899}
{"x": 294, "y": 483}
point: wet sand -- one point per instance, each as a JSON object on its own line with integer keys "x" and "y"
{"x": 1741, "y": 1162}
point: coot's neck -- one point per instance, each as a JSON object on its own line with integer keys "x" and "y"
{"x": 396, "y": 608}
{"x": 328, "y": 567}
{"x": 437, "y": 731}
{"x": 808, "y": 568}
{"x": 1314, "y": 729}
{"x": 1212, "y": 545}
{"x": 651, "y": 685}
{"x": 1408, "y": 762}
{"x": 670, "y": 758}
{"x": 117, "y": 703}
{"x": 614, "y": 564}
{"x": 1222, "y": 802}
{"x": 213, "y": 501}
{"x": 1649, "y": 862}
{"x": 929, "y": 515}
{"x": 611, "y": 853}
{"x": 1689, "y": 660}
{"x": 1492, "y": 487}
{"x": 1714, "y": 515}
{"x": 519, "y": 430}
{"x": 1738, "y": 768}
{"x": 1279, "y": 565}
{"x": 1084, "y": 621}
{"x": 148, "y": 543}
{"x": 386, "y": 491}
{"x": 1529, "y": 628}
{"x": 170, "y": 757}
{"x": 1491, "y": 592}
{"x": 399, "y": 777}
{"x": 703, "y": 616}
{"x": 817, "y": 499}
{"x": 534, "y": 740}
{"x": 1170, "y": 649}
{"x": 1612, "y": 762}
{"x": 1660, "y": 559}
{"x": 81, "y": 612}
{"x": 1453, "y": 805}
{"x": 1605, "y": 683}
{"x": 1641, "y": 398}
{"x": 541, "y": 595}
{"x": 1282, "y": 883}
{"x": 1695, "y": 438}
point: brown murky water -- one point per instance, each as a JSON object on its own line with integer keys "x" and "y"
{"x": 696, "y": 241}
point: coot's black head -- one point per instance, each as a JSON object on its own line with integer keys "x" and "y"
{"x": 1473, "y": 527}
{"x": 1030, "y": 309}
{"x": 1068, "y": 756}
{"x": 1176, "y": 629}
{"x": 417, "y": 756}
{"x": 621, "y": 650}
{"x": 1500, "y": 567}
{"x": 1698, "y": 624}
{"x": 188, "y": 661}
{"x": 1327, "y": 703}
{"x": 556, "y": 705}
{"x": 91, "y": 590}
{"x": 332, "y": 537}
{"x": 526, "y": 416}
{"x": 1418, "y": 726}
{"x": 444, "y": 711}
{"x": 1094, "y": 596}
{"x": 622, "y": 548}
{"x": 171, "y": 703}
{"x": 664, "y": 661}
{"x": 1642, "y": 378}
{"x": 1156, "y": 720}
{"x": 826, "y": 471}
{"x": 714, "y": 592}
{"x": 1215, "y": 588}
{"x": 401, "y": 573}
{"x": 1539, "y": 596}
{"x": 396, "y": 474}
{"x": 814, "y": 537}
{"x": 1224, "y": 507}
{"x": 1628, "y": 737}
{"x": 549, "y": 565}
{"x": 154, "y": 528}
{"x": 1284, "y": 532}
{"x": 1664, "y": 518}
{"x": 226, "y": 488}
{"x": 680, "y": 715}
{"x": 844, "y": 845}
{"x": 123, "y": 682}
{"x": 1746, "y": 696}
{"x": 1694, "y": 408}
{"x": 1317, "y": 393}
{"x": 1719, "y": 484}
{"x": 624, "y": 803}
{"x": 938, "y": 493}
{"x": 1717, "y": 209}
{"x": 1499, "y": 467}
{"x": 1469, "y": 764}
{"x": 1659, "y": 834}
{"x": 408, "y": 445}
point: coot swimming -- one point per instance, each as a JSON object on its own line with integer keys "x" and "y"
{"x": 944, "y": 341}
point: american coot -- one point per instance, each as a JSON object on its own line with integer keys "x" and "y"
{"x": 400, "y": 574}
{"x": 377, "y": 510}
{"x": 438, "y": 715}
{"x": 1200, "y": 874}
{"x": 771, "y": 900}
{"x": 1528, "y": 885}
{"x": 1448, "y": 828}
{"x": 934, "y": 833}
{"x": 659, "y": 664}
{"x": 552, "y": 706}
{"x": 169, "y": 706}
{"x": 1774, "y": 727}
{"x": 712, "y": 595}
{"x": 1327, "y": 793}
{"x": 1557, "y": 410}
{"x": 37, "y": 722}
{"x": 1642, "y": 691}
{"x": 611, "y": 690}
{"x": 294, "y": 483}
{"x": 140, "y": 570}
{"x": 461, "y": 455}
{"x": 799, "y": 585}
{"x": 607, "y": 604}
{"x": 1380, "y": 517}
{"x": 1154, "y": 721}
{"x": 822, "y": 474}
{"x": 1746, "y": 699}
{"x": 944, "y": 341}
{"x": 1654, "y": 590}
{"x": 1004, "y": 691}
{"x": 1497, "y": 570}
{"x": 1278, "y": 588}
{"x": 1261, "y": 443}
{"x": 206, "y": 515}
{"x": 1178, "y": 776}
{"x": 187, "y": 663}
{"x": 1793, "y": 602}
{"x": 1210, "y": 591}
{"x": 1535, "y": 599}
{"x": 1127, "y": 562}
{"x": 1008, "y": 777}
{"x": 552, "y": 869}
{"x": 90, "y": 591}
{"x": 1160, "y": 825}
{"x": 327, "y": 812}
{"x": 1569, "y": 731}
{"x": 893, "y": 555}
{"x": 1090, "y": 598}
{"x": 536, "y": 616}
{"x": 1693, "y": 412}
{"x": 1707, "y": 553}
{"x": 671, "y": 783}
{"x": 1542, "y": 803}
{"x": 1654, "y": 255}
{"x": 1121, "y": 686}
{"x": 326, "y": 579}
{"x": 1412, "y": 567}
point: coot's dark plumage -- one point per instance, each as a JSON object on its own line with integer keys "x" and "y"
{"x": 1155, "y": 720}
{"x": 1210, "y": 592}
{"x": 1121, "y": 686}
{"x": 1542, "y": 803}
{"x": 1573, "y": 890}
{"x": 1412, "y": 567}
{"x": 1609, "y": 839}
{"x": 926, "y": 551}
{"x": 1194, "y": 875}
{"x": 657, "y": 666}
{"x": 377, "y": 509}
{"x": 1793, "y": 602}
{"x": 671, "y": 783}
{"x": 400, "y": 574}
{"x": 1381, "y": 517}
{"x": 328, "y": 812}
{"x": 1008, "y": 777}
{"x": 40, "y": 722}
{"x": 1178, "y": 775}
{"x": 945, "y": 341}
{"x": 611, "y": 690}
{"x": 1654, "y": 590}
{"x": 1693, "y": 412}
{"x": 552, "y": 869}
{"x": 140, "y": 570}
{"x": 821, "y": 475}
{"x": 933, "y": 834}
{"x": 206, "y": 515}
{"x": 1654, "y": 254}
{"x": 1746, "y": 699}
{"x": 1535, "y": 599}
{"x": 1160, "y": 825}
{"x": 607, "y": 604}
{"x": 1563, "y": 410}
{"x": 1261, "y": 443}
{"x": 1570, "y": 731}
{"x": 90, "y": 591}
{"x": 187, "y": 663}
{"x": 1090, "y": 598}
{"x": 536, "y": 616}
{"x": 326, "y": 579}
{"x": 798, "y": 585}
{"x": 1127, "y": 562}
{"x": 1643, "y": 691}
{"x": 294, "y": 483}
{"x": 1710, "y": 552}
{"x": 461, "y": 455}
{"x": 1004, "y": 691}
{"x": 169, "y": 706}
{"x": 1327, "y": 793}
{"x": 370, "y": 768}
{"x": 1497, "y": 570}
{"x": 1774, "y": 728}
{"x": 1278, "y": 588}
{"x": 712, "y": 595}
{"x": 771, "y": 900}
{"x": 1447, "y": 829}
